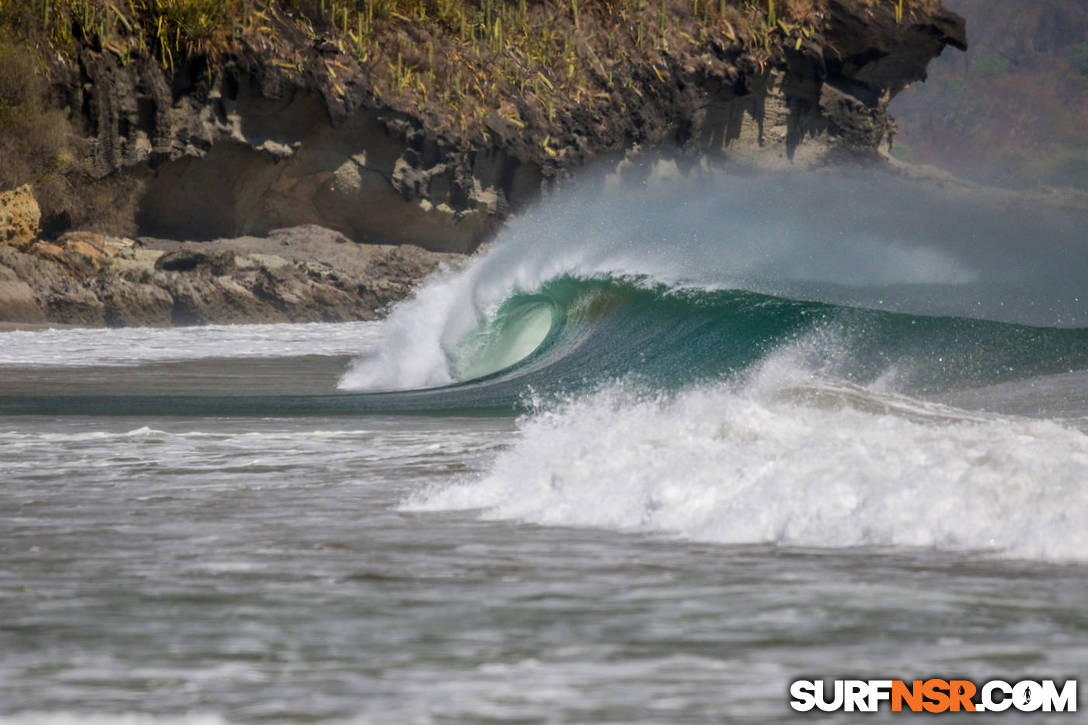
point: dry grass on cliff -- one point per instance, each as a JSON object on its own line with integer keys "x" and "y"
{"x": 521, "y": 59}
{"x": 533, "y": 61}
{"x": 469, "y": 65}
{"x": 540, "y": 68}
{"x": 457, "y": 59}
{"x": 460, "y": 65}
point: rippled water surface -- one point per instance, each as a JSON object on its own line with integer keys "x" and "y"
{"x": 256, "y": 570}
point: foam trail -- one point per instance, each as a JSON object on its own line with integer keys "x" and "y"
{"x": 139, "y": 345}
{"x": 792, "y": 459}
{"x": 847, "y": 238}
{"x": 75, "y": 718}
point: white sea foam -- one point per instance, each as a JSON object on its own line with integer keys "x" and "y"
{"x": 134, "y": 345}
{"x": 79, "y": 718}
{"x": 792, "y": 459}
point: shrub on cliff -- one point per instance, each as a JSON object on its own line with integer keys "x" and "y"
{"x": 34, "y": 136}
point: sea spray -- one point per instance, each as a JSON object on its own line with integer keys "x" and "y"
{"x": 793, "y": 459}
{"x": 856, "y": 239}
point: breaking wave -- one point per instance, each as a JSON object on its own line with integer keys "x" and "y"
{"x": 792, "y": 458}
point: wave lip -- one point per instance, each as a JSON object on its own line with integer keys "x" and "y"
{"x": 780, "y": 460}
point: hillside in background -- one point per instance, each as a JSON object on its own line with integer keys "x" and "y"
{"x": 1013, "y": 110}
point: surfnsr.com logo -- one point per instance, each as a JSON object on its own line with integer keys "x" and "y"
{"x": 934, "y": 695}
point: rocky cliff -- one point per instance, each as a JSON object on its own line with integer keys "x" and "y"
{"x": 426, "y": 123}
{"x": 257, "y": 142}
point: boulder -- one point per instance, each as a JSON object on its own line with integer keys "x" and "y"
{"x": 20, "y": 217}
{"x": 45, "y": 250}
{"x": 216, "y": 263}
{"x": 134, "y": 303}
{"x": 17, "y": 302}
{"x": 96, "y": 246}
{"x": 304, "y": 274}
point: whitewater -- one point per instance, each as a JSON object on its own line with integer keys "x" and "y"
{"x": 676, "y": 438}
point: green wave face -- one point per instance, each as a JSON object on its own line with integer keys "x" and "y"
{"x": 604, "y": 329}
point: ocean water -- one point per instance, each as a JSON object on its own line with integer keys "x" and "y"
{"x": 670, "y": 444}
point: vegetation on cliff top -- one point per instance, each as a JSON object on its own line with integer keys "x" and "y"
{"x": 454, "y": 59}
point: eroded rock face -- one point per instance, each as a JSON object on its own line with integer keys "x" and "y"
{"x": 358, "y": 178}
{"x": 869, "y": 58}
{"x": 20, "y": 217}
{"x": 250, "y": 149}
